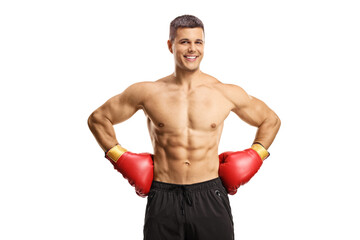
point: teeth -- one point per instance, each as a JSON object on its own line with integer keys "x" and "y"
{"x": 191, "y": 57}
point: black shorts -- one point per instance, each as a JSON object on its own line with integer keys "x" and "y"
{"x": 198, "y": 211}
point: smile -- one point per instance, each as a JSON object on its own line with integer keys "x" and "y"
{"x": 190, "y": 58}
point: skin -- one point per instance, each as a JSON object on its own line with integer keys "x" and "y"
{"x": 185, "y": 115}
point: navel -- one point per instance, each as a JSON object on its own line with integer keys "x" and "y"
{"x": 160, "y": 124}
{"x": 213, "y": 125}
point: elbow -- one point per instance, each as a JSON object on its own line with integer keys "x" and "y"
{"x": 276, "y": 122}
{"x": 90, "y": 121}
{"x": 273, "y": 121}
{"x": 93, "y": 119}
{"x": 98, "y": 118}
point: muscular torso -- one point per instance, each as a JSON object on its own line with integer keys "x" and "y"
{"x": 185, "y": 128}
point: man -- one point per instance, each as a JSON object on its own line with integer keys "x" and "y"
{"x": 186, "y": 181}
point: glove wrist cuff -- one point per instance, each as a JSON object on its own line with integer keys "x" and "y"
{"x": 115, "y": 153}
{"x": 261, "y": 150}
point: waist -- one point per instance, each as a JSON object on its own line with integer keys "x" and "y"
{"x": 194, "y": 187}
{"x": 184, "y": 171}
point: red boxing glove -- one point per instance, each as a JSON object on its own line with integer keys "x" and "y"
{"x": 136, "y": 168}
{"x": 237, "y": 168}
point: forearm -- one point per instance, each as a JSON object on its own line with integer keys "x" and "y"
{"x": 103, "y": 131}
{"x": 267, "y": 131}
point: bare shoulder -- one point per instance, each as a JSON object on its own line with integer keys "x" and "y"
{"x": 232, "y": 92}
{"x": 220, "y": 85}
{"x": 140, "y": 87}
{"x": 143, "y": 89}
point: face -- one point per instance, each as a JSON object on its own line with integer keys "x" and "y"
{"x": 188, "y": 48}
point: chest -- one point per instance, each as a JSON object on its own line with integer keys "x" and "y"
{"x": 203, "y": 108}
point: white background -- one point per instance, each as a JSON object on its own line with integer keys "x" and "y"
{"x": 60, "y": 60}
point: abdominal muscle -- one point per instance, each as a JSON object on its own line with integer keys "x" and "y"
{"x": 185, "y": 158}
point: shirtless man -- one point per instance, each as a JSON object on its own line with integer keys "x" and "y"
{"x": 186, "y": 181}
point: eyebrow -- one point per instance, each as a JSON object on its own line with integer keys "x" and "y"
{"x": 197, "y": 40}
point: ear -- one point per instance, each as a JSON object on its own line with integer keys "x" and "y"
{"x": 169, "y": 46}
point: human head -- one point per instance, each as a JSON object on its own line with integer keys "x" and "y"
{"x": 184, "y": 21}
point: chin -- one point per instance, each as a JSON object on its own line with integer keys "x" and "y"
{"x": 191, "y": 69}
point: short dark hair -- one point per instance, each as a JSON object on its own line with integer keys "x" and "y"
{"x": 184, "y": 21}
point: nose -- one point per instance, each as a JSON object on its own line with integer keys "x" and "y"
{"x": 191, "y": 48}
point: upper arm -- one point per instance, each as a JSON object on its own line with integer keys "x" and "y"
{"x": 124, "y": 105}
{"x": 248, "y": 108}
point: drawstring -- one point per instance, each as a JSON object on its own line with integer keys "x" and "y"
{"x": 186, "y": 198}
{"x": 186, "y": 195}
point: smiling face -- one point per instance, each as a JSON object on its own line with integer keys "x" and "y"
{"x": 188, "y": 48}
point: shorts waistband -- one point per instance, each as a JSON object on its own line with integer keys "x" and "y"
{"x": 210, "y": 184}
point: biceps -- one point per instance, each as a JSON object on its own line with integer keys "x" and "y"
{"x": 253, "y": 111}
{"x": 119, "y": 108}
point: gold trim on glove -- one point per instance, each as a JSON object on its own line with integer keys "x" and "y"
{"x": 115, "y": 152}
{"x": 260, "y": 150}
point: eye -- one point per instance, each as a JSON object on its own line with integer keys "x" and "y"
{"x": 183, "y": 42}
{"x": 198, "y": 43}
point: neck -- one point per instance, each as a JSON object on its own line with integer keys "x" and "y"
{"x": 187, "y": 79}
